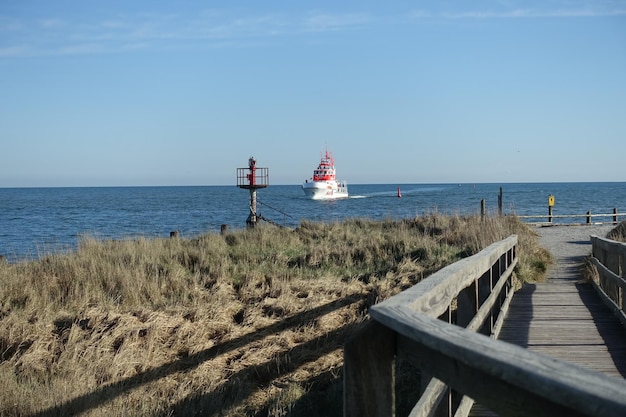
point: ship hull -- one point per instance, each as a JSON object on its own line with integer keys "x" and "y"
{"x": 325, "y": 190}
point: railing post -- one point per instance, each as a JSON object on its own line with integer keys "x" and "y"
{"x": 369, "y": 372}
{"x": 615, "y": 216}
{"x": 483, "y": 209}
{"x": 550, "y": 214}
{"x": 445, "y": 406}
{"x": 589, "y": 217}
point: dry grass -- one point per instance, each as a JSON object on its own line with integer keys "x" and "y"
{"x": 618, "y": 233}
{"x": 251, "y": 323}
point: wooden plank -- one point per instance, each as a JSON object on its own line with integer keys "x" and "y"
{"x": 485, "y": 310}
{"x": 559, "y": 318}
{"x": 430, "y": 399}
{"x": 610, "y": 303}
{"x": 434, "y": 393}
{"x": 512, "y": 380}
{"x": 568, "y": 216}
{"x": 568, "y": 321}
{"x": 609, "y": 275}
{"x": 504, "y": 311}
{"x": 434, "y": 294}
{"x": 608, "y": 245}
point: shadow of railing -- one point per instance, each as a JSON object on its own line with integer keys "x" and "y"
{"x": 609, "y": 327}
{"x": 262, "y": 374}
{"x": 606, "y": 301}
{"x": 107, "y": 393}
{"x": 516, "y": 328}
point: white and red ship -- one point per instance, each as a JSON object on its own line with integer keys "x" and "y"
{"x": 324, "y": 185}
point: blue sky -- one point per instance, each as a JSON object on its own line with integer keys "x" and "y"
{"x": 184, "y": 92}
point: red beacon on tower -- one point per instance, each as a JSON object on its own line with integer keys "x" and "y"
{"x": 252, "y": 178}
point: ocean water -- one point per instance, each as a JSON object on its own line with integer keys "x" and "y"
{"x": 38, "y": 221}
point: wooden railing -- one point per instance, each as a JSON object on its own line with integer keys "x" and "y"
{"x": 442, "y": 326}
{"x": 609, "y": 258}
{"x": 609, "y": 218}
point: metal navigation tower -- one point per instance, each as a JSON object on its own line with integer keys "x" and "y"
{"x": 252, "y": 178}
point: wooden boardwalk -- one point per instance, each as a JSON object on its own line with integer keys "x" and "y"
{"x": 563, "y": 317}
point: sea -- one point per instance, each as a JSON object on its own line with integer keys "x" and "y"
{"x": 35, "y": 222}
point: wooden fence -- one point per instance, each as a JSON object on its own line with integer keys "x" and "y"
{"x": 609, "y": 258}
{"x": 609, "y": 218}
{"x": 446, "y": 326}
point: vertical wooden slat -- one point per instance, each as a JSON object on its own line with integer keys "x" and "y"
{"x": 611, "y": 261}
{"x": 484, "y": 289}
{"x": 369, "y": 358}
{"x": 496, "y": 270}
{"x": 466, "y": 305}
{"x": 622, "y": 273}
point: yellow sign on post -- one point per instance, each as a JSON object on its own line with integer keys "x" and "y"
{"x": 550, "y": 200}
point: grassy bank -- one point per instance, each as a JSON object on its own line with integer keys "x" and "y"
{"x": 618, "y": 233}
{"x": 250, "y": 323}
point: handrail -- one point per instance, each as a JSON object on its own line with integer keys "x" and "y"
{"x": 480, "y": 287}
{"x": 588, "y": 216}
{"x": 506, "y": 378}
{"x": 567, "y": 216}
{"x": 609, "y": 259}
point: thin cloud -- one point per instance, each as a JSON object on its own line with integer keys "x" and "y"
{"x": 530, "y": 13}
{"x": 13, "y": 52}
{"x": 9, "y": 25}
{"x": 515, "y": 9}
{"x": 51, "y": 23}
{"x": 20, "y": 37}
{"x": 325, "y": 22}
{"x": 80, "y": 49}
{"x": 420, "y": 14}
{"x": 54, "y": 36}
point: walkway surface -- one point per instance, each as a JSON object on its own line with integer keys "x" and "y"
{"x": 564, "y": 317}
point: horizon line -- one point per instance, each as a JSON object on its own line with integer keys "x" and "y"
{"x": 395, "y": 184}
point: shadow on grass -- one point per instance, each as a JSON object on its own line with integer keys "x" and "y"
{"x": 236, "y": 388}
{"x": 244, "y": 383}
{"x": 324, "y": 397}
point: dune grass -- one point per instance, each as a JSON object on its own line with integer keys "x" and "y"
{"x": 618, "y": 233}
{"x": 251, "y": 323}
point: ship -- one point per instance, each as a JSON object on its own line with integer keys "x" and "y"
{"x": 323, "y": 185}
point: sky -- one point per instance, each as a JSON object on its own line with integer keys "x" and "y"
{"x": 134, "y": 93}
